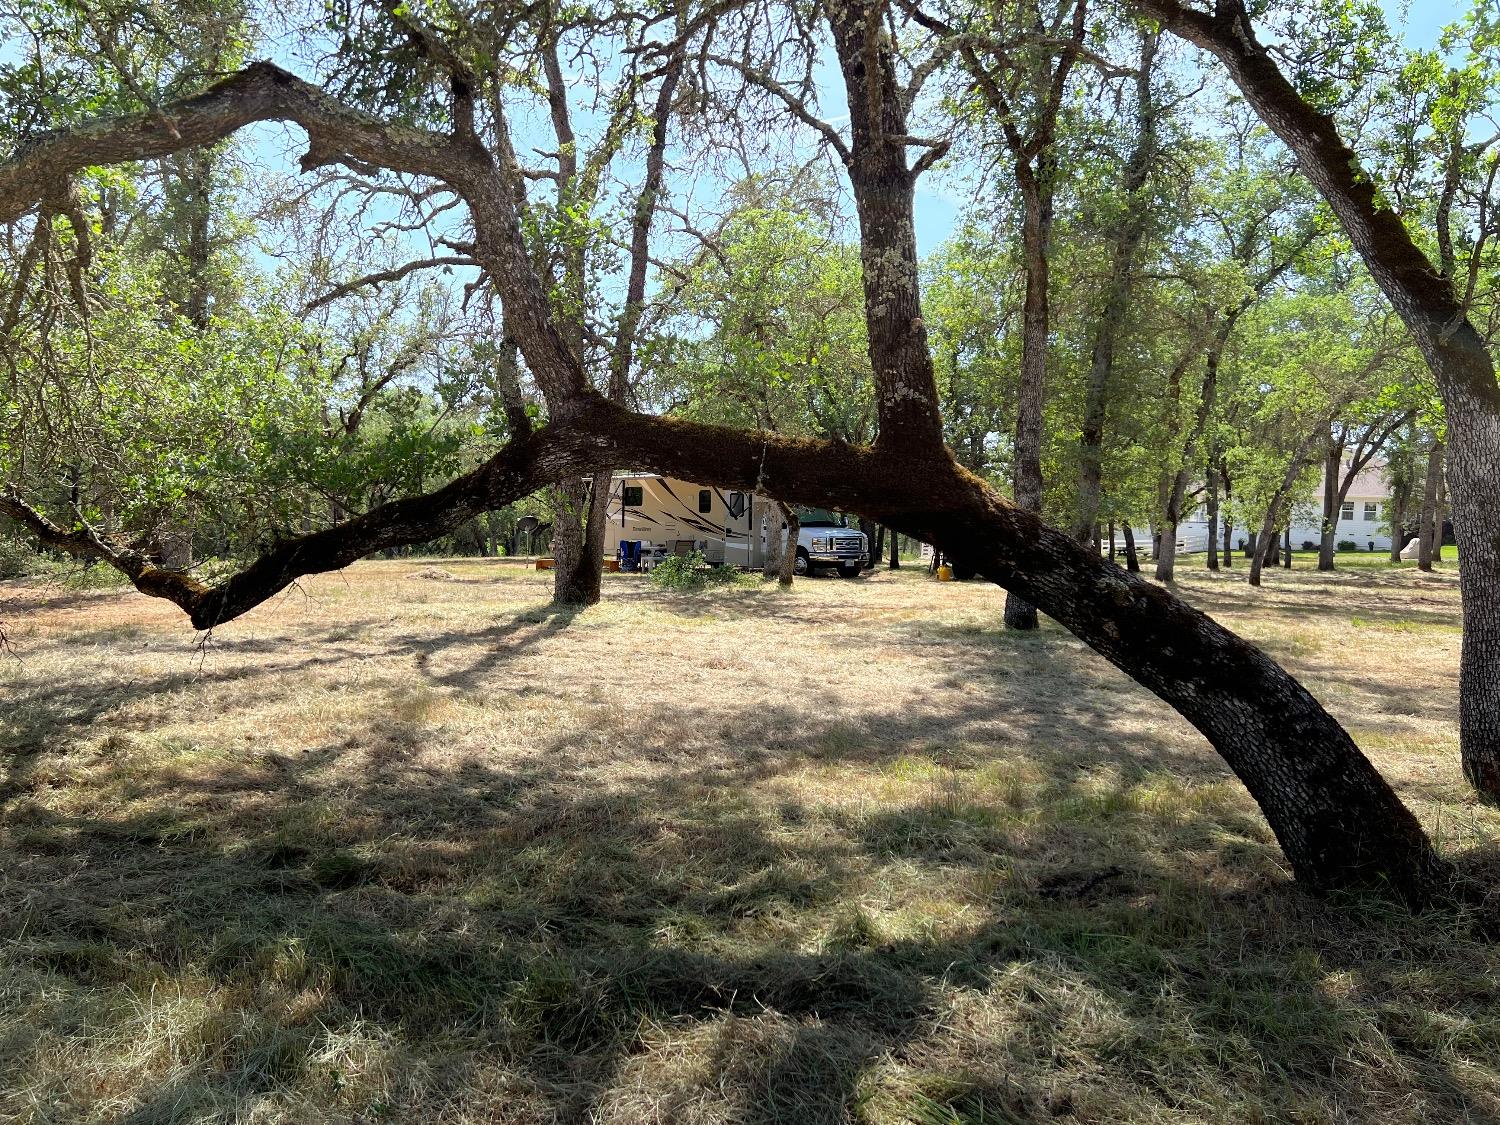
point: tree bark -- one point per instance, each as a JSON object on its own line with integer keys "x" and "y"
{"x": 1426, "y": 301}
{"x": 578, "y": 540}
{"x": 1333, "y": 500}
{"x": 1166, "y": 551}
{"x": 1431, "y": 516}
{"x": 788, "y": 569}
{"x": 1132, "y": 560}
{"x": 895, "y": 563}
{"x": 1338, "y": 822}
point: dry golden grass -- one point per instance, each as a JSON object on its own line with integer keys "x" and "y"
{"x": 399, "y": 848}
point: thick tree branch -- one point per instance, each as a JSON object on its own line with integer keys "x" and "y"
{"x": 1240, "y": 699}
{"x": 337, "y": 133}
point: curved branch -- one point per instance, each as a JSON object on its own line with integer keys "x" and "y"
{"x": 337, "y": 133}
{"x": 797, "y": 106}
{"x": 383, "y": 277}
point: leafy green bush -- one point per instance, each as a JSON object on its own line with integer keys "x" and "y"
{"x": 17, "y": 559}
{"x": 1348, "y": 545}
{"x": 691, "y": 572}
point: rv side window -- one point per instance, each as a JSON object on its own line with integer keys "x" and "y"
{"x": 705, "y": 500}
{"x": 633, "y": 495}
{"x": 736, "y": 505}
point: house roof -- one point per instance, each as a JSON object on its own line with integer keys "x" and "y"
{"x": 1371, "y": 481}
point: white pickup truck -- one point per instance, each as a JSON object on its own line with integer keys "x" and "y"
{"x": 827, "y": 541}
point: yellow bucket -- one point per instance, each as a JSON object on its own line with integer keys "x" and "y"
{"x": 945, "y": 574}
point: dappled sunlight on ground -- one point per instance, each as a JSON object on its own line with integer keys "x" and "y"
{"x": 422, "y": 848}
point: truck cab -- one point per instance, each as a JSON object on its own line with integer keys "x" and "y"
{"x": 826, "y": 541}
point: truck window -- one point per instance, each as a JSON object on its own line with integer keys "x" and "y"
{"x": 819, "y": 517}
{"x": 632, "y": 495}
{"x": 705, "y": 500}
{"x": 736, "y": 504}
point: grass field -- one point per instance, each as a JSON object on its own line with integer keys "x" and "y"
{"x": 400, "y": 848}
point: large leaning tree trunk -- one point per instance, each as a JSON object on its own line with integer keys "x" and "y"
{"x": 1426, "y": 301}
{"x": 1338, "y": 822}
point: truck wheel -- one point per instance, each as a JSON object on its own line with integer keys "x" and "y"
{"x": 802, "y": 568}
{"x": 963, "y": 573}
{"x": 850, "y": 570}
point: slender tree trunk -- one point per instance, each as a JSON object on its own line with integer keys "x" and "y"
{"x": 1430, "y": 510}
{"x": 1287, "y": 553}
{"x": 895, "y": 563}
{"x": 1213, "y": 516}
{"x": 1166, "y": 554}
{"x": 1396, "y": 513}
{"x": 1127, "y": 241}
{"x": 1036, "y": 241}
{"x": 1332, "y": 504}
{"x": 877, "y": 552}
{"x": 1132, "y": 560}
{"x": 788, "y": 569}
{"x": 1228, "y": 544}
{"x": 774, "y": 518}
{"x": 1438, "y": 512}
{"x": 1262, "y": 541}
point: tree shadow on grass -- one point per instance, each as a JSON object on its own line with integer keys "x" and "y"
{"x": 1000, "y": 908}
{"x": 644, "y": 948}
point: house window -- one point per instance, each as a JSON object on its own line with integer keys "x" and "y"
{"x": 1347, "y": 511}
{"x": 1372, "y": 510}
{"x": 705, "y": 500}
{"x": 633, "y": 495}
{"x": 736, "y": 504}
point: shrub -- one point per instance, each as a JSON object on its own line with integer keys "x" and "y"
{"x": 691, "y": 572}
{"x": 1348, "y": 545}
{"x": 17, "y": 559}
{"x": 1309, "y": 545}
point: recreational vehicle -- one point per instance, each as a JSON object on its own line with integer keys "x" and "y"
{"x": 667, "y": 516}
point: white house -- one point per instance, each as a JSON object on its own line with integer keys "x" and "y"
{"x": 1363, "y": 519}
